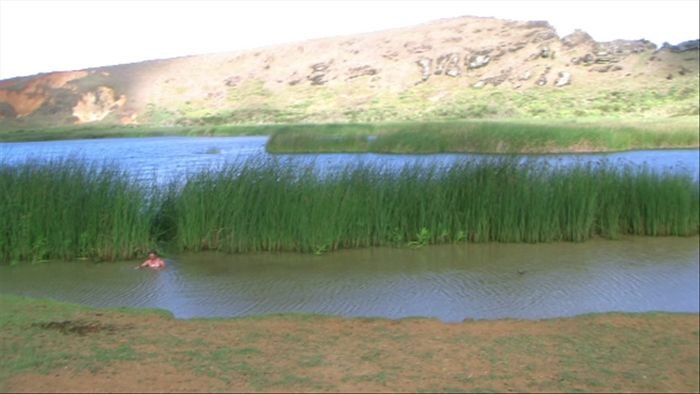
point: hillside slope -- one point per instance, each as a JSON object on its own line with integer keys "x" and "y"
{"x": 465, "y": 67}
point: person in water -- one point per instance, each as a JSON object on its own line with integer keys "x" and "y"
{"x": 154, "y": 261}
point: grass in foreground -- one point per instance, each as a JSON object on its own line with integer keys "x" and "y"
{"x": 68, "y": 210}
{"x": 55, "y": 347}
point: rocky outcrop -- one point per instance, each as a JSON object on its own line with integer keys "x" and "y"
{"x": 361, "y": 71}
{"x": 585, "y": 60}
{"x": 577, "y": 38}
{"x": 542, "y": 80}
{"x": 495, "y": 80}
{"x": 96, "y": 105}
{"x": 477, "y": 61}
{"x": 608, "y": 53}
{"x": 318, "y": 73}
{"x": 605, "y": 68}
{"x": 564, "y": 79}
{"x": 414, "y": 47}
{"x": 691, "y": 45}
{"x": 232, "y": 81}
{"x": 449, "y": 64}
{"x": 543, "y": 52}
{"x": 426, "y": 65}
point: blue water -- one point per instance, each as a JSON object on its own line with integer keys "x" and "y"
{"x": 160, "y": 159}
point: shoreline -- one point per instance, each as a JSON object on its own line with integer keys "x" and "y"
{"x": 509, "y": 136}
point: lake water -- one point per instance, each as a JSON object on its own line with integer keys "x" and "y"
{"x": 160, "y": 159}
{"x": 451, "y": 283}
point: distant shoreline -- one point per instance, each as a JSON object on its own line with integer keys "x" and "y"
{"x": 459, "y": 136}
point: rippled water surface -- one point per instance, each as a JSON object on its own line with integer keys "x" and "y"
{"x": 160, "y": 159}
{"x": 452, "y": 283}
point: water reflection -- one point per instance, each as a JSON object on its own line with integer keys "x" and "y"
{"x": 452, "y": 283}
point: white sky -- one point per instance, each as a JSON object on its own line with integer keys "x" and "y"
{"x": 43, "y": 36}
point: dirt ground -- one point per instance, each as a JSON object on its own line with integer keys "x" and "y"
{"x": 47, "y": 349}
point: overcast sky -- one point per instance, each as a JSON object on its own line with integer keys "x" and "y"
{"x": 43, "y": 36}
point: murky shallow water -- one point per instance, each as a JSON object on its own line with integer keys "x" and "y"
{"x": 451, "y": 283}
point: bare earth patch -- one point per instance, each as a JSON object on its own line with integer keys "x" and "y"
{"x": 144, "y": 352}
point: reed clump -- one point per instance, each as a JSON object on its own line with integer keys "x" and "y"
{"x": 270, "y": 207}
{"x": 69, "y": 209}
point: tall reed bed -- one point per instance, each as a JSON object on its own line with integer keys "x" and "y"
{"x": 68, "y": 209}
{"x": 270, "y": 207}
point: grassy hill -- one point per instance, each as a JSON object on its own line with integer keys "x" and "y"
{"x": 461, "y": 68}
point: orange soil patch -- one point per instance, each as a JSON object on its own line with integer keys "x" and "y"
{"x": 28, "y": 99}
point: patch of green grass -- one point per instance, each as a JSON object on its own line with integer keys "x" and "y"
{"x": 371, "y": 355}
{"x": 483, "y": 137}
{"x": 102, "y": 357}
{"x": 454, "y": 136}
{"x": 246, "y": 351}
{"x": 111, "y": 131}
{"x": 315, "y": 360}
{"x": 623, "y": 352}
{"x": 378, "y": 377}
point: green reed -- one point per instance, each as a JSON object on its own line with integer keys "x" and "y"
{"x": 67, "y": 209}
{"x": 270, "y": 207}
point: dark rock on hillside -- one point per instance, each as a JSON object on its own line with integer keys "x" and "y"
{"x": 318, "y": 73}
{"x": 356, "y": 72}
{"x": 691, "y": 45}
{"x": 564, "y": 79}
{"x": 414, "y": 47}
{"x": 426, "y": 65}
{"x": 477, "y": 61}
{"x": 449, "y": 64}
{"x": 542, "y": 80}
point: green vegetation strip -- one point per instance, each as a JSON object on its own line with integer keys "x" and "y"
{"x": 483, "y": 137}
{"x": 68, "y": 209}
{"x": 455, "y": 136}
{"x": 112, "y": 131}
{"x": 48, "y": 346}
